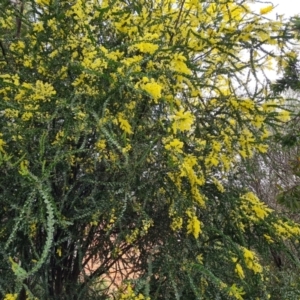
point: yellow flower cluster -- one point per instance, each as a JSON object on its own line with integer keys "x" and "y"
{"x": 254, "y": 208}
{"x": 11, "y": 297}
{"x": 175, "y": 146}
{"x": 182, "y": 121}
{"x": 176, "y": 223}
{"x": 236, "y": 292}
{"x": 151, "y": 87}
{"x": 251, "y": 261}
{"x": 18, "y": 46}
{"x": 129, "y": 294}
{"x": 43, "y": 91}
{"x": 266, "y": 10}
{"x": 131, "y": 238}
{"x": 285, "y": 229}
{"x": 124, "y": 124}
{"x": 43, "y": 2}
{"x": 2, "y": 143}
{"x": 194, "y": 225}
{"x": 178, "y": 64}
{"x": 145, "y": 47}
{"x": 146, "y": 224}
{"x": 239, "y": 270}
{"x": 27, "y": 116}
{"x": 23, "y": 170}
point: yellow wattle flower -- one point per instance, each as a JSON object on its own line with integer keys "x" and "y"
{"x": 266, "y": 9}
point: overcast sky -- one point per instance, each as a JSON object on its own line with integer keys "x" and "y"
{"x": 287, "y": 7}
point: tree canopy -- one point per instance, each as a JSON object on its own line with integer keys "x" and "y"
{"x": 122, "y": 123}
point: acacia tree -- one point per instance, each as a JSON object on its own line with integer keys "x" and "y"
{"x": 282, "y": 163}
{"x": 121, "y": 121}
{"x": 274, "y": 176}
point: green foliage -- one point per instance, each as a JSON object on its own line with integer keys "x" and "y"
{"x": 290, "y": 78}
{"x": 121, "y": 124}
